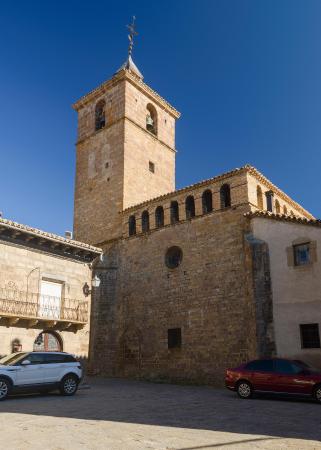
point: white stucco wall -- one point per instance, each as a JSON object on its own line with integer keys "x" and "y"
{"x": 296, "y": 289}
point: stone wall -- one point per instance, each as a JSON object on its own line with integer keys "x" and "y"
{"x": 21, "y": 269}
{"x": 207, "y": 296}
{"x": 100, "y": 170}
{"x": 112, "y": 170}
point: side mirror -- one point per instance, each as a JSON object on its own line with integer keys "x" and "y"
{"x": 26, "y": 362}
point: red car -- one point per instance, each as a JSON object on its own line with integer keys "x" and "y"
{"x": 275, "y": 376}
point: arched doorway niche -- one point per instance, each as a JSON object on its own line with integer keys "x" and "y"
{"x": 48, "y": 341}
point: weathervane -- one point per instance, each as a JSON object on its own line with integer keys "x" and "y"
{"x": 132, "y": 33}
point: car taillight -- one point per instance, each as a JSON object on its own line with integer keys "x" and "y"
{"x": 79, "y": 366}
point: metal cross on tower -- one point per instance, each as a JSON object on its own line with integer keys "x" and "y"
{"x": 132, "y": 33}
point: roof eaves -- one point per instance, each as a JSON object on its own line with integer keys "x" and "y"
{"x": 282, "y": 217}
{"x": 50, "y": 236}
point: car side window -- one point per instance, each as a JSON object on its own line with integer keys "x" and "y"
{"x": 35, "y": 358}
{"x": 264, "y": 365}
{"x": 287, "y": 367}
{"x": 55, "y": 358}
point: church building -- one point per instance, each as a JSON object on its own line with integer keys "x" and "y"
{"x": 193, "y": 280}
{"x": 161, "y": 283}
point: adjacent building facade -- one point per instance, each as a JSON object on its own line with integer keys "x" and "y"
{"x": 294, "y": 247}
{"x": 43, "y": 305}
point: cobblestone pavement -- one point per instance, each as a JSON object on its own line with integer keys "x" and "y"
{"x": 130, "y": 415}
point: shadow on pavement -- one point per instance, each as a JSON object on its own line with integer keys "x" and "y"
{"x": 177, "y": 406}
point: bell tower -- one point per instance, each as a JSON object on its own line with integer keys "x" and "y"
{"x": 125, "y": 151}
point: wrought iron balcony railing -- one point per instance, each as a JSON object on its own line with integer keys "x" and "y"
{"x": 29, "y": 305}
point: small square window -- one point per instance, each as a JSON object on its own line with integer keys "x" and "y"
{"x": 151, "y": 167}
{"x": 301, "y": 254}
{"x": 174, "y": 336}
{"x": 310, "y": 337}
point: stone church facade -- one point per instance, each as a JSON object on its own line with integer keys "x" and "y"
{"x": 186, "y": 287}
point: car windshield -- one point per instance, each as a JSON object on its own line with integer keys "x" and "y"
{"x": 12, "y": 359}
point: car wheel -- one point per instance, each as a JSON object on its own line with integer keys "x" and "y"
{"x": 244, "y": 389}
{"x": 317, "y": 393}
{"x": 69, "y": 385}
{"x": 4, "y": 388}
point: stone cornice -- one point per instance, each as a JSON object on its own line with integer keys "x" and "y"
{"x": 134, "y": 80}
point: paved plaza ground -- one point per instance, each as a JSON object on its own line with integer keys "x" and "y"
{"x": 131, "y": 415}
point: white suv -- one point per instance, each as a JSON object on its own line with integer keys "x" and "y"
{"x": 39, "y": 371}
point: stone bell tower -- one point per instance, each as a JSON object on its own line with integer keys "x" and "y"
{"x": 125, "y": 151}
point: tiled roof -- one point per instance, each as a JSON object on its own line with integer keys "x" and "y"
{"x": 283, "y": 218}
{"x": 5, "y": 223}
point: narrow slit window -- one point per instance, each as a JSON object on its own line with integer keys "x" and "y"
{"x": 174, "y": 338}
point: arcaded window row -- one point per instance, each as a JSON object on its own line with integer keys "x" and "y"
{"x": 270, "y": 205}
{"x": 207, "y": 207}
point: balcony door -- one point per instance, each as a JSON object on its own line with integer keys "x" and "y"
{"x": 50, "y": 299}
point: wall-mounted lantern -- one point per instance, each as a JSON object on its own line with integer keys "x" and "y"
{"x": 95, "y": 282}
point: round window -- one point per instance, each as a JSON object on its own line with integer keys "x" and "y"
{"x": 173, "y": 257}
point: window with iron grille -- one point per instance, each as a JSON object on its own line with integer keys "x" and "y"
{"x": 301, "y": 254}
{"x": 310, "y": 336}
{"x": 174, "y": 336}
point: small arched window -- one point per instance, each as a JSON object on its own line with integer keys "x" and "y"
{"x": 100, "y": 119}
{"x": 291, "y": 213}
{"x": 207, "y": 202}
{"x": 132, "y": 226}
{"x": 225, "y": 194}
{"x": 159, "y": 217}
{"x": 174, "y": 212}
{"x": 277, "y": 206}
{"x": 285, "y": 210}
{"x": 145, "y": 221}
{"x": 151, "y": 119}
{"x": 259, "y": 197}
{"x": 190, "y": 207}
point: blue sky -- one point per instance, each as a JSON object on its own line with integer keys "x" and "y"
{"x": 245, "y": 74}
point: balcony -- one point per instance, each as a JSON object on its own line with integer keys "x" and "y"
{"x": 30, "y": 310}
